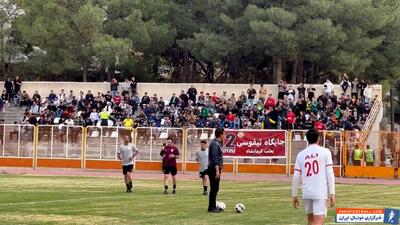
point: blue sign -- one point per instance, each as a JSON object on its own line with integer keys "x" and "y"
{"x": 391, "y": 216}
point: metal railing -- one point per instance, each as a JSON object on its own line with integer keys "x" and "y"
{"x": 101, "y": 143}
{"x": 17, "y": 140}
{"x": 60, "y": 141}
{"x": 150, "y": 140}
{"x": 332, "y": 140}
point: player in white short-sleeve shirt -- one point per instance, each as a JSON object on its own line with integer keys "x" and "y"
{"x": 315, "y": 166}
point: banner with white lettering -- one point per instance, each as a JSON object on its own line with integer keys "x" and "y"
{"x": 265, "y": 144}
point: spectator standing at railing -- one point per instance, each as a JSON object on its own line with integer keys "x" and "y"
{"x": 367, "y": 93}
{"x": 345, "y": 83}
{"x": 192, "y": 92}
{"x": 251, "y": 92}
{"x": 184, "y": 99}
{"x": 114, "y": 86}
{"x": 310, "y": 92}
{"x": 361, "y": 86}
{"x": 8, "y": 85}
{"x": 126, "y": 86}
{"x": 355, "y": 88}
{"x": 262, "y": 93}
{"x": 329, "y": 87}
{"x": 302, "y": 90}
{"x": 17, "y": 84}
{"x": 133, "y": 85}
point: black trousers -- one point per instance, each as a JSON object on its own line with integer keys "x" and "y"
{"x": 214, "y": 187}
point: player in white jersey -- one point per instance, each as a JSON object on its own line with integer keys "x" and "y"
{"x": 127, "y": 152}
{"x": 315, "y": 166}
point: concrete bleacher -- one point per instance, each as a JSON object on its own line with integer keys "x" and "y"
{"x": 13, "y": 113}
{"x": 164, "y": 90}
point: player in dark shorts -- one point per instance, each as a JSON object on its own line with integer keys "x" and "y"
{"x": 202, "y": 159}
{"x": 127, "y": 152}
{"x": 169, "y": 153}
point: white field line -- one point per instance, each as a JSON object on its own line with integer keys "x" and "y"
{"x": 56, "y": 201}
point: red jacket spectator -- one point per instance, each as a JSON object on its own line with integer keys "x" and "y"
{"x": 117, "y": 99}
{"x": 215, "y": 98}
{"x": 319, "y": 125}
{"x": 230, "y": 117}
{"x": 270, "y": 102}
{"x": 291, "y": 117}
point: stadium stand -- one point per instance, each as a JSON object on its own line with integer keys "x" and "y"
{"x": 328, "y": 107}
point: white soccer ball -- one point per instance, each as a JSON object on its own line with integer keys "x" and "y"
{"x": 221, "y": 205}
{"x": 240, "y": 208}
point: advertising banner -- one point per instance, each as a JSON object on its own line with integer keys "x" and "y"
{"x": 265, "y": 144}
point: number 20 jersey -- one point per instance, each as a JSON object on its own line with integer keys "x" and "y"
{"x": 312, "y": 163}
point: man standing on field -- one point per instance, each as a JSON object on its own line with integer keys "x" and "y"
{"x": 127, "y": 152}
{"x": 202, "y": 159}
{"x": 169, "y": 153}
{"x": 215, "y": 164}
{"x": 315, "y": 166}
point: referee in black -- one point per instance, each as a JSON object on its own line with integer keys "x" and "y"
{"x": 215, "y": 163}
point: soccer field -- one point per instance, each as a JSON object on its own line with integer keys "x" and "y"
{"x": 27, "y": 199}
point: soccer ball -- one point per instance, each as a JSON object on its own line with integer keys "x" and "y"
{"x": 221, "y": 205}
{"x": 240, "y": 208}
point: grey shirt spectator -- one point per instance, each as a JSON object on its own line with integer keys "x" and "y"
{"x": 215, "y": 154}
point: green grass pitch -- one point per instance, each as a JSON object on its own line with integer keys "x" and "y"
{"x": 27, "y": 199}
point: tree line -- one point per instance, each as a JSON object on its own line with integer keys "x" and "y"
{"x": 200, "y": 41}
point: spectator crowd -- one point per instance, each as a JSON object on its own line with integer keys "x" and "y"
{"x": 255, "y": 108}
